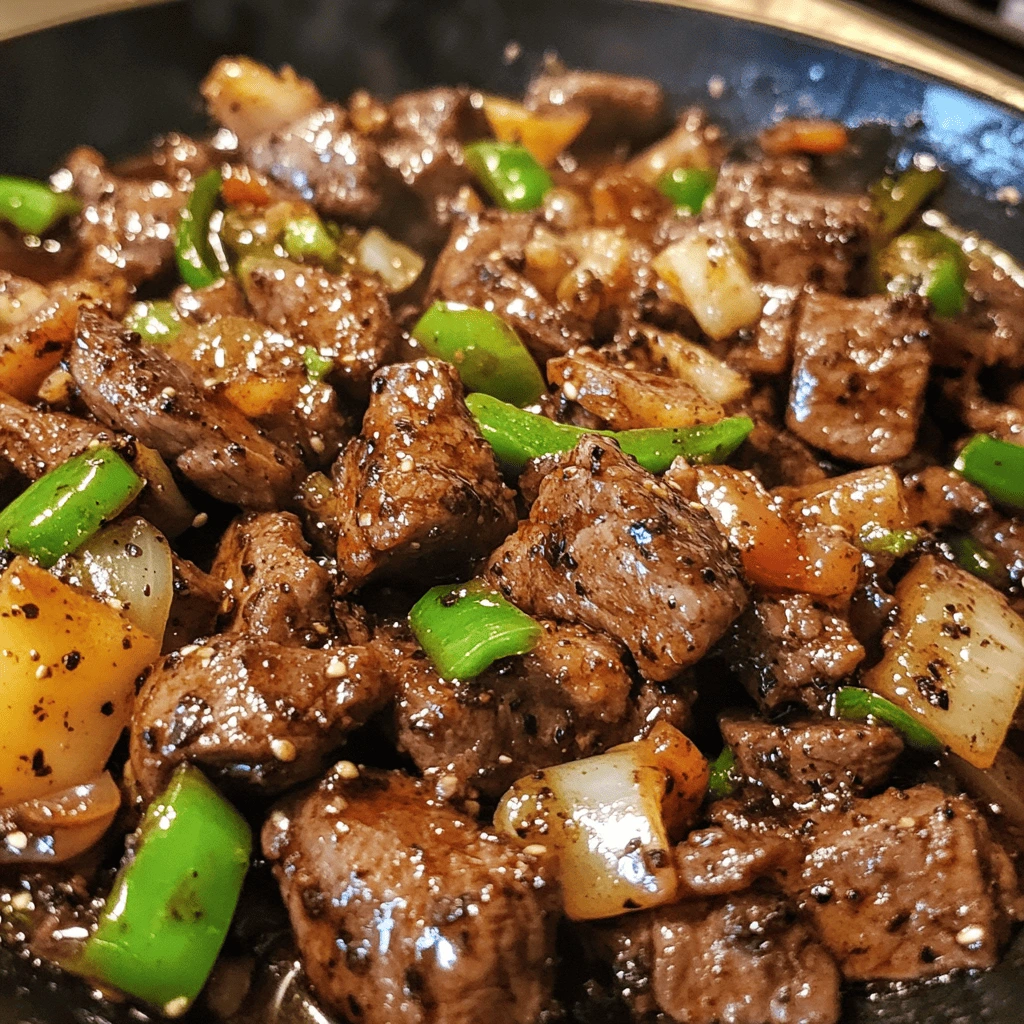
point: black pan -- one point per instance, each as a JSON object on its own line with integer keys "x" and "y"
{"x": 115, "y": 82}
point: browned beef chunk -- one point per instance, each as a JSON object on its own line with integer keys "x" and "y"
{"x": 860, "y": 367}
{"x": 796, "y": 233}
{"x": 938, "y": 498}
{"x": 251, "y": 712}
{"x": 907, "y": 884}
{"x": 805, "y": 764}
{"x": 127, "y": 225}
{"x": 743, "y": 959}
{"x": 145, "y": 392}
{"x": 622, "y": 109}
{"x": 569, "y": 698}
{"x": 610, "y": 546}
{"x": 776, "y": 455}
{"x": 788, "y": 649}
{"x": 404, "y": 911}
{"x": 480, "y": 266}
{"x": 172, "y": 157}
{"x": 418, "y": 492}
{"x": 983, "y": 414}
{"x": 767, "y": 348}
{"x": 195, "y": 607}
{"x": 222, "y": 298}
{"x": 276, "y": 590}
{"x": 536, "y": 469}
{"x": 346, "y": 317}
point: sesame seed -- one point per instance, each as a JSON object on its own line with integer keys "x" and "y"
{"x": 535, "y": 850}
{"x": 114, "y": 603}
{"x": 347, "y": 770}
{"x": 17, "y": 841}
{"x": 906, "y": 822}
{"x": 316, "y": 442}
{"x": 969, "y": 935}
{"x": 188, "y": 649}
{"x": 43, "y": 672}
{"x": 337, "y": 669}
{"x": 570, "y": 391}
{"x": 447, "y": 787}
{"x": 169, "y": 393}
{"x": 21, "y": 900}
{"x": 206, "y": 653}
{"x": 365, "y": 518}
{"x": 283, "y": 750}
{"x": 200, "y": 520}
{"x": 176, "y": 1007}
{"x": 279, "y": 820}
{"x": 504, "y": 759}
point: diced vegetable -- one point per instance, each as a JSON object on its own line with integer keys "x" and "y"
{"x": 68, "y": 663}
{"x": 241, "y": 187}
{"x": 954, "y": 659}
{"x": 606, "y": 818}
{"x": 545, "y": 134}
{"x": 156, "y": 322}
{"x": 305, "y": 238}
{"x": 484, "y": 349}
{"x": 68, "y": 505}
{"x": 709, "y": 277}
{"x": 687, "y": 145}
{"x": 688, "y": 187}
{"x": 861, "y": 705}
{"x": 465, "y": 628}
{"x": 60, "y": 826}
{"x": 896, "y": 201}
{"x": 688, "y": 361}
{"x": 317, "y": 366}
{"x": 398, "y": 266}
{"x": 509, "y": 174}
{"x": 928, "y": 263}
{"x": 720, "y": 781}
{"x": 978, "y": 560}
{"x": 33, "y": 207}
{"x": 168, "y": 914}
{"x": 197, "y": 262}
{"x": 997, "y": 467}
{"x": 804, "y": 135}
{"x": 890, "y": 542}
{"x": 518, "y": 436}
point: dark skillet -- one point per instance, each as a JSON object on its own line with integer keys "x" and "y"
{"x": 117, "y": 81}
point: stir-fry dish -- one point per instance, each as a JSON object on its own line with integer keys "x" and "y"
{"x": 515, "y": 560}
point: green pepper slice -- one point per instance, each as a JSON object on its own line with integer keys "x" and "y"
{"x": 518, "y": 436}
{"x": 465, "y": 628}
{"x": 156, "y": 322}
{"x": 63, "y": 509}
{"x": 929, "y": 263}
{"x": 487, "y": 352}
{"x": 197, "y": 263}
{"x": 860, "y": 705}
{"x": 889, "y": 542}
{"x": 978, "y": 560}
{"x": 997, "y": 467}
{"x": 897, "y": 200}
{"x": 721, "y": 782}
{"x": 167, "y": 916}
{"x": 509, "y": 174}
{"x": 306, "y": 238}
{"x": 688, "y": 187}
{"x": 32, "y": 206}
{"x": 317, "y": 365}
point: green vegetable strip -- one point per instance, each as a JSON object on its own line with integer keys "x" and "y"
{"x": 317, "y": 366}
{"x": 465, "y": 628}
{"x": 860, "y": 705}
{"x": 518, "y": 436}
{"x": 509, "y": 174}
{"x": 484, "y": 349}
{"x": 897, "y": 201}
{"x": 890, "y": 542}
{"x": 947, "y": 287}
{"x": 929, "y": 263}
{"x": 197, "y": 263}
{"x": 721, "y": 782}
{"x": 977, "y": 559}
{"x": 168, "y": 914}
{"x": 64, "y": 508}
{"x": 156, "y": 322}
{"x": 997, "y": 467}
{"x": 32, "y": 206}
{"x": 306, "y": 238}
{"x": 688, "y": 187}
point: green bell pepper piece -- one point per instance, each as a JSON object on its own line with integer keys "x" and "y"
{"x": 929, "y": 263}
{"x": 860, "y": 705}
{"x": 465, "y": 628}
{"x": 688, "y": 187}
{"x": 509, "y": 174}
{"x": 63, "y": 509}
{"x": 518, "y": 436}
{"x": 197, "y": 263}
{"x": 157, "y": 322}
{"x": 897, "y": 200}
{"x": 306, "y": 238}
{"x": 168, "y": 914}
{"x": 317, "y": 366}
{"x": 32, "y": 206}
{"x": 721, "y": 782}
{"x": 487, "y": 353}
{"x": 978, "y": 560}
{"x": 889, "y": 542}
{"x": 997, "y": 467}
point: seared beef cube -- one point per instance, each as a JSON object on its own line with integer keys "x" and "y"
{"x": 404, "y": 911}
{"x": 622, "y": 109}
{"x": 194, "y": 607}
{"x": 907, "y": 884}
{"x": 274, "y": 588}
{"x": 480, "y": 267}
{"x": 143, "y": 391}
{"x": 610, "y": 546}
{"x": 860, "y": 367}
{"x": 345, "y": 317}
{"x": 418, "y": 492}
{"x": 252, "y": 713}
{"x": 743, "y": 959}
{"x": 568, "y": 698}
{"x": 788, "y": 649}
{"x": 812, "y": 763}
{"x": 200, "y": 305}
{"x": 766, "y": 349}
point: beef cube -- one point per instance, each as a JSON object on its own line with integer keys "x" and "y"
{"x": 907, "y": 884}
{"x": 860, "y": 367}
{"x": 418, "y": 491}
{"x": 610, "y": 546}
{"x": 404, "y": 911}
{"x": 195, "y": 606}
{"x": 766, "y": 349}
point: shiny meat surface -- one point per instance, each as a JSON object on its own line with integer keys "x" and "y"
{"x": 405, "y": 911}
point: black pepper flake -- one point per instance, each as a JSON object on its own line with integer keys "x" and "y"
{"x": 30, "y": 611}
{"x": 40, "y": 769}
{"x": 107, "y": 709}
{"x": 71, "y": 660}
